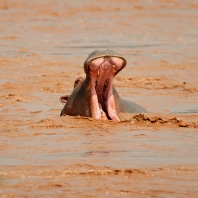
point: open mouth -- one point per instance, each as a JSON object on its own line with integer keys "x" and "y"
{"x": 101, "y": 72}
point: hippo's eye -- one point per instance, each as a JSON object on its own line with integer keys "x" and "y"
{"x": 94, "y": 64}
{"x": 118, "y": 62}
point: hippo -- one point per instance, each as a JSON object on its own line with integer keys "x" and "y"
{"x": 95, "y": 96}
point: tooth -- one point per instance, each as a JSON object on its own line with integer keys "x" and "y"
{"x": 98, "y": 72}
{"x": 113, "y": 66}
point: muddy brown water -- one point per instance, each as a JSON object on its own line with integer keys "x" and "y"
{"x": 43, "y": 45}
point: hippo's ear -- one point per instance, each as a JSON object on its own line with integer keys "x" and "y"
{"x": 64, "y": 99}
{"x": 78, "y": 82}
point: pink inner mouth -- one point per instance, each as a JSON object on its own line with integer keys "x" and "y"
{"x": 101, "y": 72}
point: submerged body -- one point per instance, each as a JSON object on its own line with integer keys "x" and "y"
{"x": 95, "y": 96}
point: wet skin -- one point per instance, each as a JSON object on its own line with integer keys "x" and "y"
{"x": 95, "y": 96}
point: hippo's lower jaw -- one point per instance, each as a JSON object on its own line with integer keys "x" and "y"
{"x": 100, "y": 79}
{"x": 103, "y": 103}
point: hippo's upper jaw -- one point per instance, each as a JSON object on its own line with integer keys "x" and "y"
{"x": 99, "y": 78}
